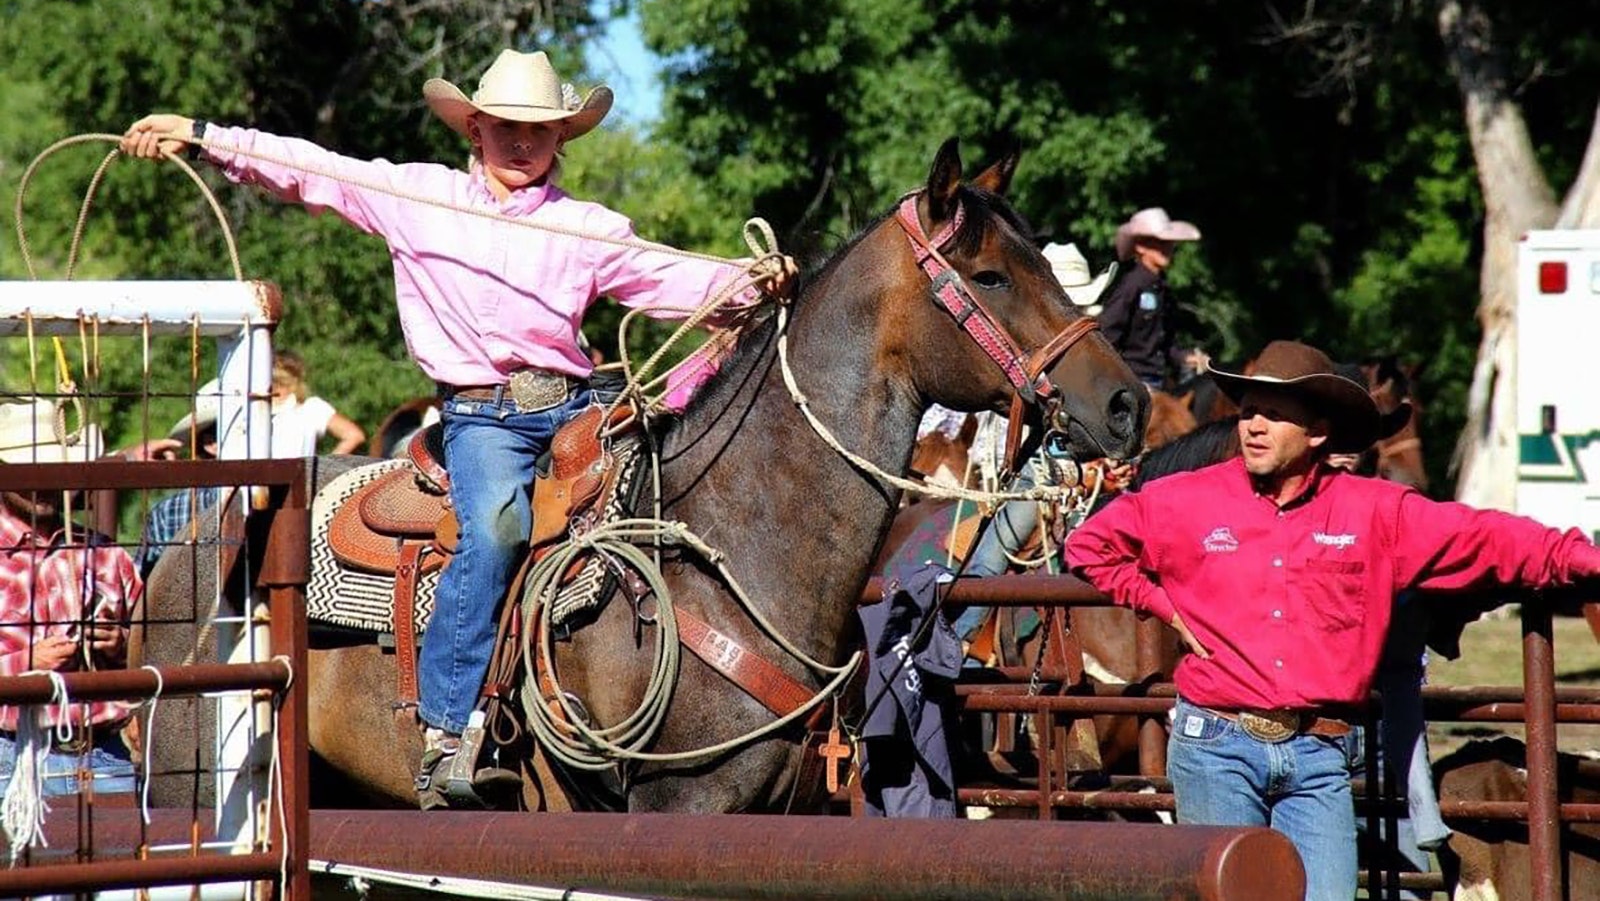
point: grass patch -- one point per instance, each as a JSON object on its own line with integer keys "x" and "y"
{"x": 1491, "y": 654}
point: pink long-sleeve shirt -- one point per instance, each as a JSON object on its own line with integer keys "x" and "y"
{"x": 1294, "y": 603}
{"x": 479, "y": 298}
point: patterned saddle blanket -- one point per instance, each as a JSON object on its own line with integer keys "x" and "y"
{"x": 378, "y": 520}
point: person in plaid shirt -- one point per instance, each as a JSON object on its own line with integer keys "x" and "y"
{"x": 64, "y": 606}
{"x": 168, "y": 520}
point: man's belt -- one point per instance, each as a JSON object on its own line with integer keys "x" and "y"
{"x": 1275, "y": 726}
{"x": 532, "y": 389}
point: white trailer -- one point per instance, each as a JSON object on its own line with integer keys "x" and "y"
{"x": 1558, "y": 405}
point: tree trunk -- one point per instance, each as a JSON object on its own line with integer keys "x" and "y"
{"x": 1516, "y": 198}
{"x": 1582, "y": 206}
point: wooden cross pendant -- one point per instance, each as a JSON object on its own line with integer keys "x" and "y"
{"x": 833, "y": 753}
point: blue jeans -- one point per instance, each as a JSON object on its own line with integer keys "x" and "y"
{"x": 1403, "y": 739}
{"x": 1301, "y": 787}
{"x": 1014, "y": 523}
{"x": 106, "y": 760}
{"x": 490, "y": 452}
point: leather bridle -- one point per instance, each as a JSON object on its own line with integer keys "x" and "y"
{"x": 1025, "y": 370}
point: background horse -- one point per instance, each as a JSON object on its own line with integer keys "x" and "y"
{"x": 871, "y": 349}
{"x": 1171, "y": 416}
{"x": 390, "y": 437}
{"x": 1399, "y": 456}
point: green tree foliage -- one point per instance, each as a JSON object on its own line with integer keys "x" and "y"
{"x": 1332, "y": 178}
{"x": 1336, "y": 193}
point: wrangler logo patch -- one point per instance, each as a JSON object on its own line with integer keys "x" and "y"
{"x": 1338, "y": 541}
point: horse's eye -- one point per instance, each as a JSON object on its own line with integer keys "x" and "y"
{"x": 989, "y": 279}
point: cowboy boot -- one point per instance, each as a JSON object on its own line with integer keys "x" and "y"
{"x": 439, "y": 783}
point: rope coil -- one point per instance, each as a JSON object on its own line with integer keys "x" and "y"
{"x": 572, "y": 741}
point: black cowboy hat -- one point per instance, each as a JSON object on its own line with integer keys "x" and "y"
{"x": 1303, "y": 371}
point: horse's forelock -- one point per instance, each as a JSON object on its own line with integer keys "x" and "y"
{"x": 981, "y": 208}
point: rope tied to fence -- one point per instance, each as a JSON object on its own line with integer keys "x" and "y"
{"x": 24, "y": 808}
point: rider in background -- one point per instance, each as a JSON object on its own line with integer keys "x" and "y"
{"x": 1139, "y": 315}
{"x": 491, "y": 312}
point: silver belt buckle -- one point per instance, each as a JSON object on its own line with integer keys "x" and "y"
{"x": 534, "y": 390}
{"x": 1271, "y": 726}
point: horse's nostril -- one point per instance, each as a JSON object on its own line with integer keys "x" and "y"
{"x": 1122, "y": 413}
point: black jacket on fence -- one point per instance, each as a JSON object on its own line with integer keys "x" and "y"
{"x": 906, "y": 770}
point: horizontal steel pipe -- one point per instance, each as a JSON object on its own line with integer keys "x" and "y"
{"x": 1502, "y": 712}
{"x": 1570, "y": 812}
{"x": 681, "y": 856}
{"x": 1444, "y": 695}
{"x": 1020, "y": 676}
{"x": 213, "y": 308}
{"x": 974, "y": 698}
{"x": 127, "y": 684}
{"x": 1079, "y": 800}
{"x": 108, "y": 875}
{"x": 1010, "y": 591}
{"x": 151, "y": 474}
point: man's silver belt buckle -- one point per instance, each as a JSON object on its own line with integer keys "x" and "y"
{"x": 1270, "y": 726}
{"x": 534, "y": 390}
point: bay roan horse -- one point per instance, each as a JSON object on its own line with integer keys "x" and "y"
{"x": 871, "y": 346}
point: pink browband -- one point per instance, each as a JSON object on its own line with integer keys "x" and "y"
{"x": 1025, "y": 371}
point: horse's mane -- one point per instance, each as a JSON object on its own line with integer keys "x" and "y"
{"x": 1208, "y": 444}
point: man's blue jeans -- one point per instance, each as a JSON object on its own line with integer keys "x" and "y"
{"x": 490, "y": 452}
{"x": 1301, "y": 787}
{"x": 107, "y": 762}
{"x": 1013, "y": 525}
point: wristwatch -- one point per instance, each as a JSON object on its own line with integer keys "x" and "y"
{"x": 197, "y": 131}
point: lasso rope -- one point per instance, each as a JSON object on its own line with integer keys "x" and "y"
{"x": 22, "y": 191}
{"x": 149, "y": 741}
{"x": 575, "y": 743}
{"x": 1036, "y": 493}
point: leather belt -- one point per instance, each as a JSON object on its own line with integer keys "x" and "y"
{"x": 1273, "y": 726}
{"x": 533, "y": 390}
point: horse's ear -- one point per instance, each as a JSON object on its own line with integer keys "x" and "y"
{"x": 997, "y": 178}
{"x": 1188, "y": 400}
{"x": 943, "y": 180}
{"x": 969, "y": 430}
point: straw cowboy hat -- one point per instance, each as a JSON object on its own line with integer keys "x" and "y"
{"x": 521, "y": 87}
{"x": 1153, "y": 223}
{"x": 202, "y": 417}
{"x": 1072, "y": 271}
{"x": 1309, "y": 374}
{"x": 31, "y": 432}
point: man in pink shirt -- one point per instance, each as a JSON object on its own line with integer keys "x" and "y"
{"x": 1279, "y": 572}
